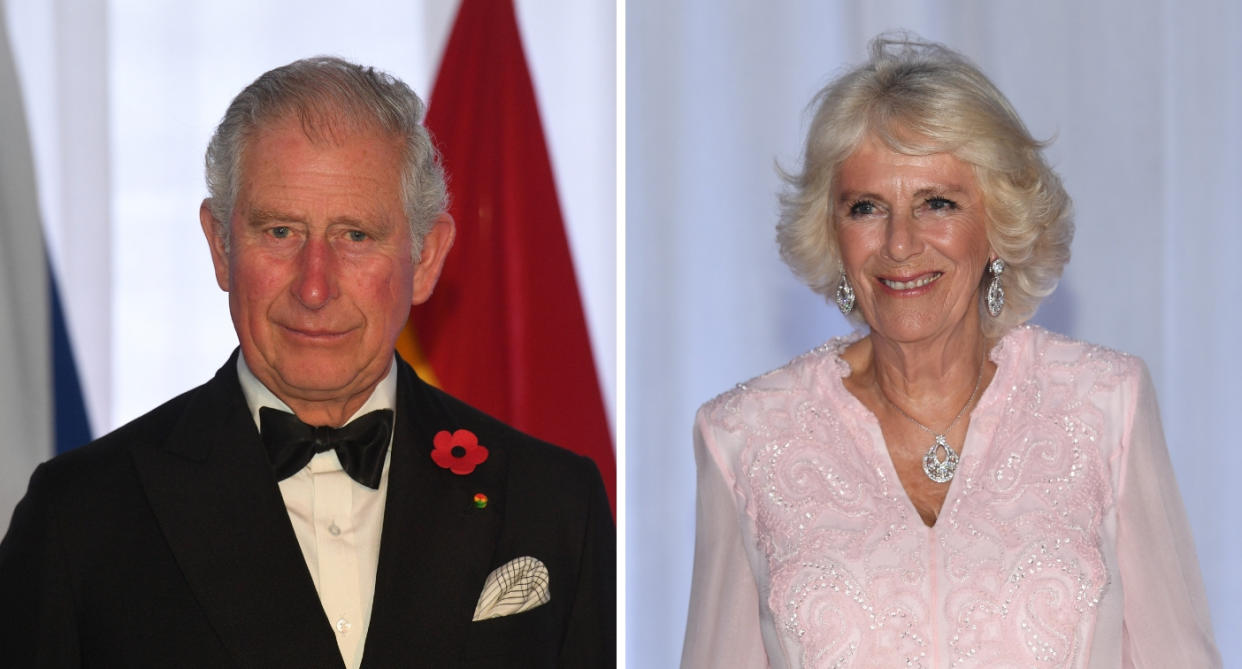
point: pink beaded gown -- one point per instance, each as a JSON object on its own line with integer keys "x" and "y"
{"x": 1062, "y": 541}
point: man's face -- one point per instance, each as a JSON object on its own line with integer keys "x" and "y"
{"x": 319, "y": 272}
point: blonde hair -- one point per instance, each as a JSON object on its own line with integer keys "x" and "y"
{"x": 921, "y": 98}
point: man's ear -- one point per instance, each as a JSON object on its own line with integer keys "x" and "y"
{"x": 436, "y": 246}
{"x": 214, "y": 231}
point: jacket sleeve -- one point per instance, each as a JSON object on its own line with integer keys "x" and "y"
{"x": 722, "y": 629}
{"x": 1165, "y": 619}
{"x": 591, "y": 639}
{"x": 38, "y": 626}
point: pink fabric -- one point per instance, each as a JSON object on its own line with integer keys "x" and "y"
{"x": 1062, "y": 541}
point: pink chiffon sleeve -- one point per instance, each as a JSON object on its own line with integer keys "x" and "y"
{"x": 1166, "y": 621}
{"x": 723, "y": 628}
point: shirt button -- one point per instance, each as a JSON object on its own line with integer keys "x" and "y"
{"x": 343, "y": 625}
{"x": 334, "y": 530}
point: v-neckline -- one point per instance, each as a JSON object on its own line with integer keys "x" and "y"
{"x": 872, "y": 423}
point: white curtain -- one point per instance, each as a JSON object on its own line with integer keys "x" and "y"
{"x": 25, "y": 320}
{"x": 1142, "y": 99}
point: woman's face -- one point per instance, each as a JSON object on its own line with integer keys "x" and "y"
{"x": 913, "y": 240}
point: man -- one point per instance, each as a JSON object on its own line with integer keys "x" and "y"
{"x": 219, "y": 530}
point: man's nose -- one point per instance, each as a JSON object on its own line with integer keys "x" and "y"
{"x": 316, "y": 283}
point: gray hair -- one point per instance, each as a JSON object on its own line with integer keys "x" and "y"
{"x": 328, "y": 95}
{"x": 921, "y": 98}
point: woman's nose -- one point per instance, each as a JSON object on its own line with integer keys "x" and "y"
{"x": 902, "y": 241}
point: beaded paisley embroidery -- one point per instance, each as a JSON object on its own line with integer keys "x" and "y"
{"x": 1010, "y": 575}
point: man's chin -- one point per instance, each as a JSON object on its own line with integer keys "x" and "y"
{"x": 318, "y": 385}
{"x": 309, "y": 379}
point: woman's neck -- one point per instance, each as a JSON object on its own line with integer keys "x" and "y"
{"x": 929, "y": 379}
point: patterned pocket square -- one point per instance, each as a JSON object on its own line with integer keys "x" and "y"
{"x": 518, "y": 585}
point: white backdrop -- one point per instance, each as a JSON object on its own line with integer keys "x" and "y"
{"x": 1143, "y": 99}
{"x": 122, "y": 96}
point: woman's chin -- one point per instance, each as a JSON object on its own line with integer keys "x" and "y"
{"x": 912, "y": 326}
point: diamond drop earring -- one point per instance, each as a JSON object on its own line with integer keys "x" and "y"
{"x": 996, "y": 292}
{"x": 845, "y": 294}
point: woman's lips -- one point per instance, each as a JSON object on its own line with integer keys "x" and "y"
{"x": 911, "y": 283}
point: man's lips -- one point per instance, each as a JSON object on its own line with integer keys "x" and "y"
{"x": 317, "y": 333}
{"x": 907, "y": 283}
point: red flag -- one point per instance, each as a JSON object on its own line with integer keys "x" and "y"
{"x": 504, "y": 330}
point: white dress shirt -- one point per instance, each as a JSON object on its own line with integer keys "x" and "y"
{"x": 336, "y": 519}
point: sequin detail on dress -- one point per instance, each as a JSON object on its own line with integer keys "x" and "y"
{"x": 1012, "y": 572}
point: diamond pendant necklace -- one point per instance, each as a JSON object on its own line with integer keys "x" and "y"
{"x": 940, "y": 471}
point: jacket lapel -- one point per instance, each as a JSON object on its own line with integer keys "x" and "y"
{"x": 217, "y": 503}
{"x": 437, "y": 547}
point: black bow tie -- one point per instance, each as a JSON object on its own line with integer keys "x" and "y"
{"x": 360, "y": 445}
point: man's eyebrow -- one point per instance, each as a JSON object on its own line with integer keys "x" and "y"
{"x": 351, "y": 221}
{"x": 261, "y": 216}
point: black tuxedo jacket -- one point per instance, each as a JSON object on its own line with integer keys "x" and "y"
{"x": 167, "y": 544}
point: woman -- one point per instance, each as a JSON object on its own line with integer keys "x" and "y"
{"x": 948, "y": 487}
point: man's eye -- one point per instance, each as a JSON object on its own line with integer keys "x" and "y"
{"x": 862, "y": 208}
{"x": 279, "y": 232}
{"x": 939, "y": 203}
{"x": 357, "y": 236}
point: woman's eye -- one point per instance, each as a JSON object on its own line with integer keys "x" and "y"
{"x": 862, "y": 208}
{"x": 939, "y": 203}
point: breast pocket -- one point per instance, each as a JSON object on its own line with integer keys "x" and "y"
{"x": 528, "y": 639}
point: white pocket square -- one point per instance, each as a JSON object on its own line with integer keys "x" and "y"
{"x": 518, "y": 585}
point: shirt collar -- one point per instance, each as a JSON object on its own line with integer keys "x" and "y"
{"x": 258, "y": 395}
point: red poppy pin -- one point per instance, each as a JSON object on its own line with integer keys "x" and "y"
{"x": 459, "y": 452}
